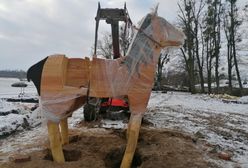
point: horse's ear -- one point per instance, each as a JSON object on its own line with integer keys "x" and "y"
{"x": 155, "y": 10}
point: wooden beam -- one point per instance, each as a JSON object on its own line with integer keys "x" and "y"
{"x": 55, "y": 142}
{"x": 64, "y": 131}
{"x": 133, "y": 134}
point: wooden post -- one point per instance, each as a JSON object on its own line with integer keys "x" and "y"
{"x": 55, "y": 142}
{"x": 133, "y": 134}
{"x": 64, "y": 131}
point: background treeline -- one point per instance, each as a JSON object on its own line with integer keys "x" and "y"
{"x": 212, "y": 29}
{"x": 13, "y": 74}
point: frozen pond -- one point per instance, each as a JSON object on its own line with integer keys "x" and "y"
{"x": 7, "y": 91}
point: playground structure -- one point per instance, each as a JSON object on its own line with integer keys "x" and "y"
{"x": 64, "y": 84}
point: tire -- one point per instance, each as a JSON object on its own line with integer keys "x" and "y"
{"x": 117, "y": 113}
{"x": 90, "y": 112}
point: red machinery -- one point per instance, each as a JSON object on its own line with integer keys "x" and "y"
{"x": 112, "y": 16}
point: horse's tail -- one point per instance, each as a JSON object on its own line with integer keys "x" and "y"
{"x": 34, "y": 73}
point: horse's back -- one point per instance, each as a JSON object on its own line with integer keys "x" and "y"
{"x": 78, "y": 72}
{"x": 106, "y": 78}
{"x": 60, "y": 71}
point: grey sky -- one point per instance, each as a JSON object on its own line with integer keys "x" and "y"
{"x": 33, "y": 29}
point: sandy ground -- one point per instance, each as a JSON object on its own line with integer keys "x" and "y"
{"x": 179, "y": 130}
{"x": 223, "y": 125}
{"x": 100, "y": 148}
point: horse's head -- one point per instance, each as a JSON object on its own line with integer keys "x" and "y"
{"x": 169, "y": 35}
{"x": 161, "y": 31}
{"x": 153, "y": 34}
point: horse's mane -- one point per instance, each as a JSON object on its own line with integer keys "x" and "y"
{"x": 140, "y": 50}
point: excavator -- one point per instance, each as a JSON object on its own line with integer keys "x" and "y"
{"x": 113, "y": 108}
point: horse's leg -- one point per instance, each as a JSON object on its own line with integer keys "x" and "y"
{"x": 64, "y": 122}
{"x": 64, "y": 131}
{"x": 55, "y": 142}
{"x": 137, "y": 103}
{"x": 133, "y": 134}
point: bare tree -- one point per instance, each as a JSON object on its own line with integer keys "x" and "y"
{"x": 163, "y": 59}
{"x": 231, "y": 24}
{"x": 186, "y": 20}
{"x": 212, "y": 39}
{"x": 229, "y": 51}
{"x": 196, "y": 13}
{"x": 105, "y": 45}
{"x": 217, "y": 43}
{"x": 126, "y": 35}
{"x": 209, "y": 58}
{"x": 190, "y": 16}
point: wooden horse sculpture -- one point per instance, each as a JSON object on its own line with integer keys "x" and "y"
{"x": 64, "y": 83}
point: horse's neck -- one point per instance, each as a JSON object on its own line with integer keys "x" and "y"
{"x": 141, "y": 51}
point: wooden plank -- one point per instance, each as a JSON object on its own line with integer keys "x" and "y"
{"x": 102, "y": 75}
{"x": 54, "y": 73}
{"x": 78, "y": 72}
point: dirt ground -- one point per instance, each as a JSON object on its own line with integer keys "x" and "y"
{"x": 101, "y": 148}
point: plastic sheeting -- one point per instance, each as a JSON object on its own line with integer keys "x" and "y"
{"x": 58, "y": 106}
{"x": 132, "y": 76}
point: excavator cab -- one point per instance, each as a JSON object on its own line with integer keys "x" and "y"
{"x": 112, "y": 16}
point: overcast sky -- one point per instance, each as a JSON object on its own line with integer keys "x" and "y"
{"x": 33, "y": 29}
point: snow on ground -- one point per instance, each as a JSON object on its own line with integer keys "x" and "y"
{"x": 24, "y": 142}
{"x": 243, "y": 99}
{"x": 11, "y": 123}
{"x": 6, "y": 106}
{"x": 223, "y": 124}
{"x": 14, "y": 115}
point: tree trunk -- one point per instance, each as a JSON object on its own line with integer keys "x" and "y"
{"x": 238, "y": 75}
{"x": 159, "y": 73}
{"x": 234, "y": 46}
{"x": 217, "y": 43}
{"x": 229, "y": 59}
{"x": 198, "y": 58}
{"x": 188, "y": 64}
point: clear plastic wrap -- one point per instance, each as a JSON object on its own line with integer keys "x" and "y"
{"x": 58, "y": 106}
{"x": 131, "y": 76}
